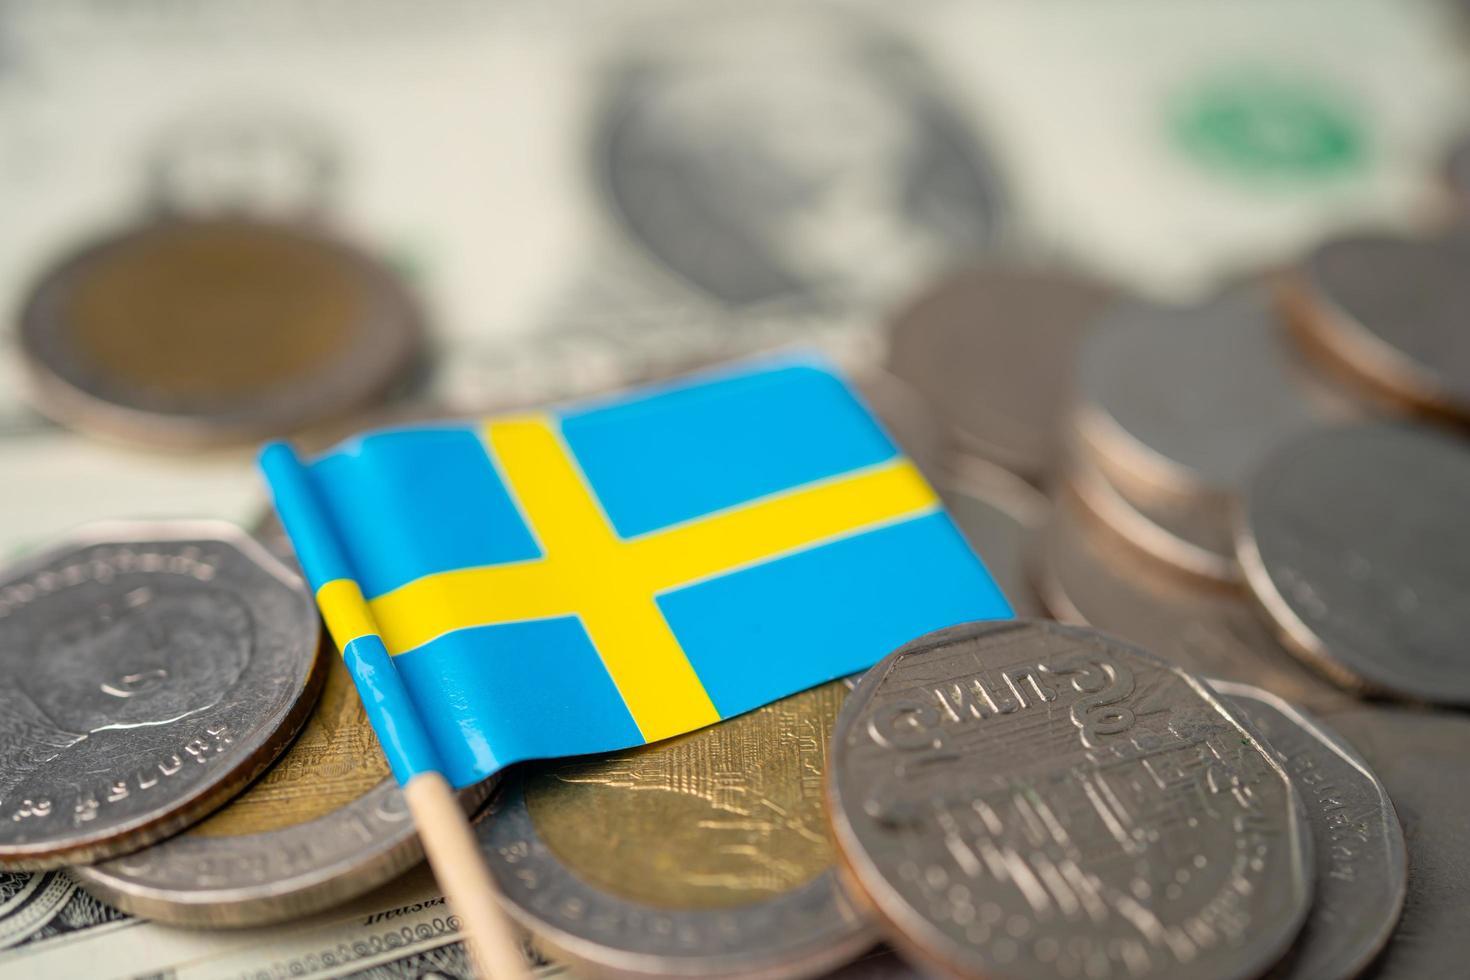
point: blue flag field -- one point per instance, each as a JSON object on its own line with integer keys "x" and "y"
{"x": 619, "y": 571}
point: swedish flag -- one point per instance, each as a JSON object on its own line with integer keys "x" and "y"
{"x": 619, "y": 571}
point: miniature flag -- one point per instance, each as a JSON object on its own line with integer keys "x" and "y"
{"x": 620, "y": 571}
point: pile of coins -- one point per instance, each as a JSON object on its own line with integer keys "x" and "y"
{"x": 1219, "y": 740}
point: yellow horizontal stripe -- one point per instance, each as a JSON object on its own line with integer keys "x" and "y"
{"x": 345, "y": 611}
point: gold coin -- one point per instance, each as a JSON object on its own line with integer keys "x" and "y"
{"x": 334, "y": 761}
{"x": 725, "y": 816}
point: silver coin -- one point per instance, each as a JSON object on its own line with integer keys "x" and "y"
{"x": 1179, "y": 404}
{"x": 325, "y": 823}
{"x": 1391, "y": 313}
{"x": 1026, "y": 799}
{"x": 999, "y": 514}
{"x": 1355, "y": 542}
{"x": 700, "y": 856}
{"x": 1186, "y": 535}
{"x": 1087, "y": 576}
{"x": 147, "y": 673}
{"x": 805, "y": 159}
{"x": 189, "y": 333}
{"x": 1358, "y": 844}
{"x": 1422, "y": 759}
{"x": 994, "y": 347}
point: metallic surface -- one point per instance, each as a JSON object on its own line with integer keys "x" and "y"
{"x": 999, "y": 514}
{"x": 1422, "y": 759}
{"x": 1355, "y": 542}
{"x": 1026, "y": 799}
{"x": 1086, "y": 575}
{"x": 324, "y": 824}
{"x": 1390, "y": 312}
{"x": 1176, "y": 405}
{"x": 148, "y": 672}
{"x": 1357, "y": 842}
{"x": 1187, "y": 535}
{"x": 993, "y": 348}
{"x": 195, "y": 333}
{"x": 704, "y": 855}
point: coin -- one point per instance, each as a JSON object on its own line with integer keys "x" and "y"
{"x": 1178, "y": 404}
{"x": 703, "y": 855}
{"x": 998, "y": 513}
{"x": 993, "y": 347}
{"x": 327, "y": 822}
{"x": 148, "y": 672}
{"x": 1421, "y": 758}
{"x": 1027, "y": 799}
{"x": 199, "y": 333}
{"x": 1185, "y": 535}
{"x": 1390, "y": 312}
{"x": 1357, "y": 843}
{"x": 1085, "y": 575}
{"x": 1355, "y": 543}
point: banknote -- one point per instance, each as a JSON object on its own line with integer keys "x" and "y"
{"x": 49, "y": 927}
{"x": 690, "y": 183}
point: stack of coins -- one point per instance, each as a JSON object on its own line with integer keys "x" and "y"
{"x": 1256, "y": 500}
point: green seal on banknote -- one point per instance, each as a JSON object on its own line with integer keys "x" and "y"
{"x": 1264, "y": 127}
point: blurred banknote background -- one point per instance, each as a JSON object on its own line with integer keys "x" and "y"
{"x": 572, "y": 196}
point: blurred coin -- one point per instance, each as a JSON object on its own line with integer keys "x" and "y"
{"x": 200, "y": 333}
{"x": 1026, "y": 799}
{"x": 1178, "y": 404}
{"x": 703, "y": 855}
{"x": 1357, "y": 843}
{"x": 998, "y": 513}
{"x": 148, "y": 672}
{"x": 1187, "y": 535}
{"x": 1390, "y": 312}
{"x": 993, "y": 348}
{"x": 1355, "y": 542}
{"x": 910, "y": 422}
{"x": 1421, "y": 758}
{"x": 1085, "y": 575}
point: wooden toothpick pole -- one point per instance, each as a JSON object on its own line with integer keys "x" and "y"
{"x": 461, "y": 871}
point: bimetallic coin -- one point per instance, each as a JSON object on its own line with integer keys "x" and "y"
{"x": 200, "y": 333}
{"x": 147, "y": 673}
{"x": 1026, "y": 799}
{"x": 1357, "y": 842}
{"x": 1422, "y": 759}
{"x": 1390, "y": 312}
{"x": 1178, "y": 404}
{"x": 1355, "y": 542}
{"x": 1086, "y": 575}
{"x": 705, "y": 855}
{"x": 993, "y": 347}
{"x": 324, "y": 824}
{"x": 1186, "y": 535}
{"x": 999, "y": 514}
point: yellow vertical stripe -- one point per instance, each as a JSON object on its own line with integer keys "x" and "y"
{"x": 615, "y": 602}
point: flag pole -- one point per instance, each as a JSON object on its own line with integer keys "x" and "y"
{"x": 461, "y": 871}
{"x": 449, "y": 842}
